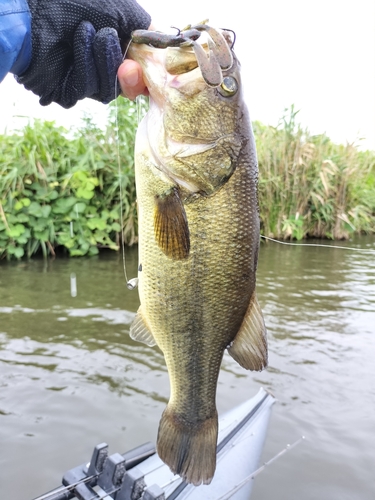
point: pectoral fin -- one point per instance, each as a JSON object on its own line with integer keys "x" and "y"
{"x": 249, "y": 347}
{"x": 171, "y": 226}
{"x": 140, "y": 331}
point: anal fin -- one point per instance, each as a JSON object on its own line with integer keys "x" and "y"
{"x": 140, "y": 331}
{"x": 249, "y": 347}
{"x": 171, "y": 226}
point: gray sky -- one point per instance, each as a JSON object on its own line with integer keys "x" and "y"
{"x": 319, "y": 56}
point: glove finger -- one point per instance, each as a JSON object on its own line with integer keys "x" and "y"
{"x": 81, "y": 79}
{"x": 108, "y": 57}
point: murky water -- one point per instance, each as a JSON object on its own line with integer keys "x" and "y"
{"x": 70, "y": 376}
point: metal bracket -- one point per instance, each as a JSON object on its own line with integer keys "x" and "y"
{"x": 133, "y": 485}
{"x": 116, "y": 475}
{"x": 153, "y": 492}
{"x": 113, "y": 473}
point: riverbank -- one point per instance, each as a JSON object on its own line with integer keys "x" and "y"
{"x": 310, "y": 186}
{"x": 62, "y": 191}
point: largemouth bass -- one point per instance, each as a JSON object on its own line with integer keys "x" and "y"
{"x": 196, "y": 178}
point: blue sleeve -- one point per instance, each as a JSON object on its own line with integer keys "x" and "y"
{"x": 15, "y": 37}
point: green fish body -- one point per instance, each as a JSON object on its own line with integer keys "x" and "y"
{"x": 196, "y": 177}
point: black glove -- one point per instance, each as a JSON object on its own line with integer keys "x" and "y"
{"x": 76, "y": 48}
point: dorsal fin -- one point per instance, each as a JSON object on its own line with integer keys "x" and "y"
{"x": 249, "y": 347}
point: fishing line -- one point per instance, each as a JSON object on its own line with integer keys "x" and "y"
{"x": 236, "y": 443}
{"x": 63, "y": 489}
{"x": 131, "y": 284}
{"x": 120, "y": 185}
{"x": 236, "y": 488}
{"x": 101, "y": 495}
{"x": 318, "y": 245}
{"x": 138, "y": 106}
{"x": 226, "y": 496}
{"x": 173, "y": 480}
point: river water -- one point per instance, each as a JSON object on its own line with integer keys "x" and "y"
{"x": 70, "y": 376}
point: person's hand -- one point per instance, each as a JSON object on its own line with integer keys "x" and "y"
{"x": 130, "y": 77}
{"x": 76, "y": 48}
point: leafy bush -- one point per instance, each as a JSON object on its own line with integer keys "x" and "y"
{"x": 64, "y": 191}
{"x": 61, "y": 192}
{"x": 310, "y": 186}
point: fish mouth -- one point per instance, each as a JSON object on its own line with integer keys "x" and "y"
{"x": 184, "y": 53}
{"x": 186, "y": 67}
{"x": 170, "y": 68}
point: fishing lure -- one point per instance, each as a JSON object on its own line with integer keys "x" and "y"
{"x": 217, "y": 44}
{"x": 211, "y": 65}
{"x": 161, "y": 40}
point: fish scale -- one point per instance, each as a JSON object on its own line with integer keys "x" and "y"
{"x": 198, "y": 250}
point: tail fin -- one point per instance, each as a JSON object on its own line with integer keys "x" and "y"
{"x": 188, "y": 448}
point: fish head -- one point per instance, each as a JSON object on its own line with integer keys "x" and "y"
{"x": 197, "y": 122}
{"x": 179, "y": 89}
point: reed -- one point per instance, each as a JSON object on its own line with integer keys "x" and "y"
{"x": 311, "y": 187}
{"x": 65, "y": 191}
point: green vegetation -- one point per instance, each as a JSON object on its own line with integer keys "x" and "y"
{"x": 60, "y": 191}
{"x": 311, "y": 187}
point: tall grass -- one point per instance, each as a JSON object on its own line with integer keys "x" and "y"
{"x": 62, "y": 191}
{"x": 311, "y": 187}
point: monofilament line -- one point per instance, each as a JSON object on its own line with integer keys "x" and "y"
{"x": 120, "y": 177}
{"x": 353, "y": 249}
{"x": 240, "y": 485}
{"x": 121, "y": 191}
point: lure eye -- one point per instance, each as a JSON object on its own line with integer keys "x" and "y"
{"x": 228, "y": 87}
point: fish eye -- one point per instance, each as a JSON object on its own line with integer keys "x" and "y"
{"x": 228, "y": 87}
